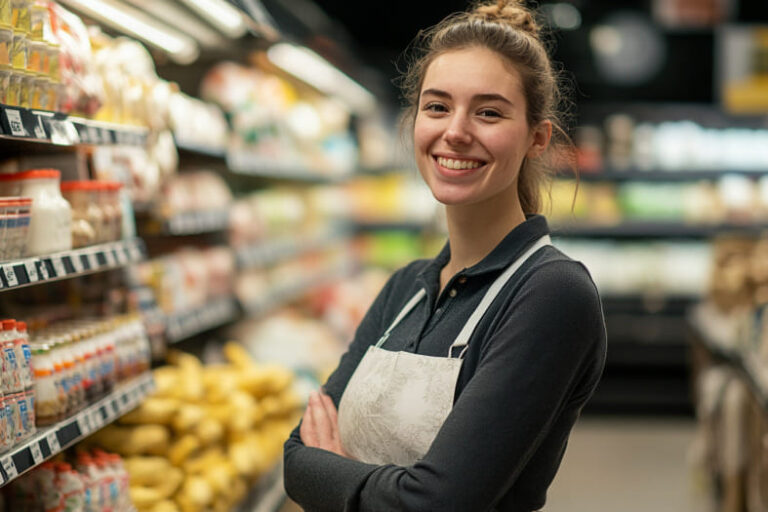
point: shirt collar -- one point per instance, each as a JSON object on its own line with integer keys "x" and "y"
{"x": 503, "y": 255}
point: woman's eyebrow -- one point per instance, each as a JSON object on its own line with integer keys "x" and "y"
{"x": 477, "y": 97}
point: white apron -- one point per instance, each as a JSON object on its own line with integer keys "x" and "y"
{"x": 396, "y": 402}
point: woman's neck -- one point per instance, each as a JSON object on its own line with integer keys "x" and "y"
{"x": 474, "y": 231}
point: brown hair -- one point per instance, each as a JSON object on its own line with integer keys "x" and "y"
{"x": 509, "y": 29}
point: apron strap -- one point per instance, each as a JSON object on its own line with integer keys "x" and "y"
{"x": 406, "y": 309}
{"x": 463, "y": 338}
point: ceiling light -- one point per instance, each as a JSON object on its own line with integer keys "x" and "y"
{"x": 180, "y": 18}
{"x": 221, "y": 15}
{"x": 180, "y": 47}
{"x": 311, "y": 68}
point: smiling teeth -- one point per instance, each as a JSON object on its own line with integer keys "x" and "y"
{"x": 458, "y": 164}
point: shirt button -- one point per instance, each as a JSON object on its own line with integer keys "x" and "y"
{"x": 462, "y": 280}
{"x": 452, "y": 293}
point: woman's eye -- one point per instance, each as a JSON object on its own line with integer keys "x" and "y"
{"x": 435, "y": 107}
{"x": 489, "y": 113}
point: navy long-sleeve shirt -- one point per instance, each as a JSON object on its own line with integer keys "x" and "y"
{"x": 532, "y": 363}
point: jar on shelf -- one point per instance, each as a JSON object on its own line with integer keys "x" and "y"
{"x": 35, "y": 51}
{"x": 87, "y": 213}
{"x": 50, "y": 216}
{"x": 6, "y": 43}
{"x": 5, "y": 82}
{"x": 19, "y": 52}
{"x": 27, "y": 88}
{"x": 14, "y": 88}
{"x": 40, "y": 93}
{"x": 39, "y": 19}
{"x": 52, "y": 64}
{"x": 6, "y": 14}
{"x": 109, "y": 199}
{"x": 21, "y": 14}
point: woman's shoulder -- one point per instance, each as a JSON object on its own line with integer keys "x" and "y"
{"x": 553, "y": 273}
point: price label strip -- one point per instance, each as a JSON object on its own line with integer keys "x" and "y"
{"x": 58, "y": 267}
{"x": 83, "y": 424}
{"x": 9, "y": 467}
{"x": 42, "y": 270}
{"x": 109, "y": 257}
{"x": 15, "y": 124}
{"x": 75, "y": 262}
{"x": 53, "y": 442}
{"x": 101, "y": 258}
{"x": 32, "y": 273}
{"x": 40, "y": 129}
{"x": 10, "y": 276}
{"x": 37, "y": 455}
{"x": 93, "y": 260}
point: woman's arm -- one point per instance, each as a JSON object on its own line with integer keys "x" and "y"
{"x": 552, "y": 336}
{"x": 318, "y": 479}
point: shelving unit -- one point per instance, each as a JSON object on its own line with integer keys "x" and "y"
{"x": 254, "y": 165}
{"x": 271, "y": 251}
{"x": 660, "y": 176}
{"x": 49, "y": 441}
{"x": 24, "y": 124}
{"x": 192, "y": 223}
{"x": 636, "y": 229}
{"x": 77, "y": 262}
{"x": 186, "y": 324}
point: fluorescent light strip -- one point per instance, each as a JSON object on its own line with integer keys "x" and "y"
{"x": 220, "y": 14}
{"x": 133, "y": 22}
{"x": 311, "y": 68}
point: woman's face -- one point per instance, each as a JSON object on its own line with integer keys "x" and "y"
{"x": 471, "y": 133}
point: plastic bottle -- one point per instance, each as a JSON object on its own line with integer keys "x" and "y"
{"x": 60, "y": 376}
{"x": 12, "y": 373}
{"x": 110, "y": 482}
{"x": 87, "y": 467}
{"x": 46, "y": 394}
{"x": 72, "y": 487}
{"x": 28, "y": 376}
{"x": 124, "y": 502}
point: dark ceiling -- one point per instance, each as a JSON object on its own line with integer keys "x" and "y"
{"x": 366, "y": 39}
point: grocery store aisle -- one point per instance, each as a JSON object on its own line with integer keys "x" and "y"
{"x": 623, "y": 465}
{"x": 627, "y": 465}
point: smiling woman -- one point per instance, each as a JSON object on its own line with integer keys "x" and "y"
{"x": 468, "y": 372}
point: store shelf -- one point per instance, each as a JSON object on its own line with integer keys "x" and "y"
{"x": 186, "y": 324}
{"x": 77, "y": 262}
{"x": 251, "y": 164}
{"x": 660, "y": 175}
{"x": 189, "y": 223}
{"x": 49, "y": 441}
{"x": 201, "y": 149}
{"x": 288, "y": 293}
{"x": 637, "y": 229}
{"x": 275, "y": 250}
{"x": 24, "y": 124}
{"x": 390, "y": 225}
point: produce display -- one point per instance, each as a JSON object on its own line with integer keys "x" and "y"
{"x": 209, "y": 431}
{"x": 90, "y": 482}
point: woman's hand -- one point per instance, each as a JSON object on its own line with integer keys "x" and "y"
{"x": 320, "y": 425}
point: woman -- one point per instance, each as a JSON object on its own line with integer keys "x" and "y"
{"x": 466, "y": 375}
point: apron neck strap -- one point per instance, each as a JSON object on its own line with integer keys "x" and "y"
{"x": 406, "y": 309}
{"x": 462, "y": 339}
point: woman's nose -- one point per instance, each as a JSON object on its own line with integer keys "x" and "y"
{"x": 458, "y": 131}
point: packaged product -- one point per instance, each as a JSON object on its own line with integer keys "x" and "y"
{"x": 6, "y": 16}
{"x": 27, "y": 88}
{"x": 6, "y": 42}
{"x": 71, "y": 486}
{"x": 5, "y": 80}
{"x": 19, "y": 50}
{"x": 35, "y": 51}
{"x": 14, "y": 226}
{"x": 12, "y": 379}
{"x": 51, "y": 215}
{"x": 47, "y": 399}
{"x": 14, "y": 89}
{"x": 87, "y": 215}
{"x": 40, "y": 93}
{"x": 21, "y": 14}
{"x": 5, "y": 438}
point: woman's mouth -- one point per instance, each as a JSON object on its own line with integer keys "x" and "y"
{"x": 457, "y": 166}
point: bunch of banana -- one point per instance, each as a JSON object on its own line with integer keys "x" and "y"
{"x": 206, "y": 434}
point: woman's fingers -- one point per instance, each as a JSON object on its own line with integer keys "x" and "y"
{"x": 330, "y": 410}
{"x": 307, "y": 431}
{"x": 322, "y": 423}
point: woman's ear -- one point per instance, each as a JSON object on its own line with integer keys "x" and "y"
{"x": 540, "y": 137}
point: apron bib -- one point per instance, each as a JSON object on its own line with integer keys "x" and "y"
{"x": 395, "y": 402}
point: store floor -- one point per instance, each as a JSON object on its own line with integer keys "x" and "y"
{"x": 623, "y": 465}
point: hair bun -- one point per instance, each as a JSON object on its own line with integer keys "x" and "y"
{"x": 511, "y": 12}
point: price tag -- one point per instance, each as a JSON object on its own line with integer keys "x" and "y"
{"x": 93, "y": 261}
{"x": 14, "y": 121}
{"x": 53, "y": 442}
{"x": 10, "y": 276}
{"x": 42, "y": 270}
{"x": 110, "y": 256}
{"x": 97, "y": 420}
{"x": 84, "y": 425}
{"x": 9, "y": 467}
{"x": 106, "y": 136}
{"x": 93, "y": 135}
{"x": 40, "y": 129}
{"x": 77, "y": 263}
{"x": 58, "y": 267}
{"x": 31, "y": 271}
{"x": 37, "y": 455}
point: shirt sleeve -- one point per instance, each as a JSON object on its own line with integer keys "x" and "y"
{"x": 318, "y": 479}
{"x": 527, "y": 375}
